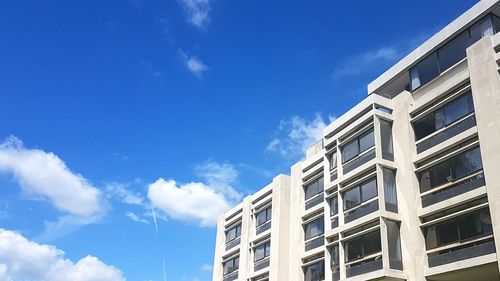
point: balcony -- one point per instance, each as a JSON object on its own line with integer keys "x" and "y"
{"x": 361, "y": 211}
{"x": 315, "y": 201}
{"x": 233, "y": 243}
{"x": 447, "y": 133}
{"x": 263, "y": 227}
{"x": 364, "y": 268}
{"x": 360, "y": 160}
{"x": 258, "y": 265}
{"x": 230, "y": 276}
{"x": 454, "y": 189}
{"x": 314, "y": 243}
{"x": 472, "y": 251}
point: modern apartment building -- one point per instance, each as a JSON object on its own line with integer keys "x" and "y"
{"x": 404, "y": 186}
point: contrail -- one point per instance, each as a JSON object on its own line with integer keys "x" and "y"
{"x": 154, "y": 219}
{"x": 164, "y": 273}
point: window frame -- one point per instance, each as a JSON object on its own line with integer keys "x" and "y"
{"x": 360, "y": 193}
{"x": 361, "y": 239}
{"x": 320, "y": 182}
{"x": 321, "y": 221}
{"x": 357, "y": 139}
{"x": 235, "y": 266}
{"x": 267, "y": 251}
{"x": 268, "y": 214}
{"x": 237, "y": 229}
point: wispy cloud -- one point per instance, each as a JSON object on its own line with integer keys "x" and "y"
{"x": 200, "y": 202}
{"x": 206, "y": 268}
{"x": 122, "y": 193}
{"x": 197, "y": 12}
{"x": 134, "y": 217}
{"x": 22, "y": 259}
{"x": 193, "y": 64}
{"x": 296, "y": 134}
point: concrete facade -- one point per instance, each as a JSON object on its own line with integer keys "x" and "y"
{"x": 404, "y": 186}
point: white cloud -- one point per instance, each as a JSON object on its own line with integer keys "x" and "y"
{"x": 44, "y": 175}
{"x": 370, "y": 60}
{"x": 121, "y": 192}
{"x": 206, "y": 268}
{"x": 199, "y": 202}
{"x": 21, "y": 259}
{"x": 197, "y": 12}
{"x": 295, "y": 135}
{"x": 134, "y": 217}
{"x": 193, "y": 64}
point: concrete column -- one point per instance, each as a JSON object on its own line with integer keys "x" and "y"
{"x": 485, "y": 84}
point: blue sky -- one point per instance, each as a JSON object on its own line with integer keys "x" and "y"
{"x": 113, "y": 109}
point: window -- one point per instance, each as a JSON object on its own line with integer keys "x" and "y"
{"x": 314, "y": 188}
{"x": 496, "y": 23}
{"x": 444, "y": 116}
{"x": 459, "y": 229}
{"x": 357, "y": 146}
{"x": 363, "y": 246}
{"x": 334, "y": 206}
{"x": 386, "y": 139}
{"x": 315, "y": 272}
{"x": 262, "y": 251}
{"x": 335, "y": 258}
{"x": 233, "y": 233}
{"x": 332, "y": 160}
{"x": 451, "y": 169}
{"x": 454, "y": 51}
{"x": 449, "y": 54}
{"x": 264, "y": 216}
{"x": 361, "y": 193}
{"x": 231, "y": 265}
{"x": 314, "y": 228}
{"x": 390, "y": 193}
{"x": 394, "y": 244}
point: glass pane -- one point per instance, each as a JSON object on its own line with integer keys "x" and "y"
{"x": 312, "y": 190}
{"x": 424, "y": 71}
{"x": 393, "y": 240}
{"x": 334, "y": 206}
{"x": 481, "y": 29}
{"x": 332, "y": 158}
{"x": 354, "y": 249}
{"x": 261, "y": 218}
{"x": 369, "y": 190}
{"x": 236, "y": 263}
{"x": 386, "y": 138}
{"x": 335, "y": 257}
{"x": 440, "y": 174}
{"x": 466, "y": 163}
{"x": 268, "y": 249}
{"x": 351, "y": 198}
{"x": 440, "y": 118}
{"x": 260, "y": 252}
{"x": 390, "y": 188}
{"x": 425, "y": 126}
{"x": 366, "y": 141}
{"x": 470, "y": 226}
{"x": 458, "y": 108}
{"x": 496, "y": 23}
{"x": 269, "y": 213}
{"x": 371, "y": 243}
{"x": 231, "y": 234}
{"x": 315, "y": 272}
{"x": 314, "y": 228}
{"x": 454, "y": 51}
{"x": 350, "y": 150}
{"x": 447, "y": 232}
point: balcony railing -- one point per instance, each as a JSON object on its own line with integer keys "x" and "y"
{"x": 315, "y": 201}
{"x": 336, "y": 276}
{"x": 315, "y": 243}
{"x": 453, "y": 190}
{"x": 263, "y": 227}
{"x": 233, "y": 243}
{"x": 447, "y": 133}
{"x": 361, "y": 211}
{"x": 258, "y": 265}
{"x": 230, "y": 276}
{"x": 463, "y": 254}
{"x": 353, "y": 164}
{"x": 364, "y": 268}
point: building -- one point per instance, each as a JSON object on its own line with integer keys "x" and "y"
{"x": 404, "y": 186}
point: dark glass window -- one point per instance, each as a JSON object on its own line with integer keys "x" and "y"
{"x": 361, "y": 193}
{"x": 451, "y": 169}
{"x": 496, "y": 23}
{"x": 264, "y": 216}
{"x": 424, "y": 71}
{"x": 459, "y": 229}
{"x": 315, "y": 272}
{"x": 332, "y": 160}
{"x": 314, "y": 228}
{"x": 233, "y": 233}
{"x": 262, "y": 251}
{"x": 358, "y": 145}
{"x": 454, "y": 51}
{"x": 231, "y": 265}
{"x": 364, "y": 245}
{"x": 444, "y": 116}
{"x": 449, "y": 54}
{"x": 314, "y": 188}
{"x": 335, "y": 260}
{"x": 334, "y": 206}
